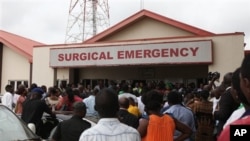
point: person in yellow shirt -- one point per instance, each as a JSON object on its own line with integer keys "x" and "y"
{"x": 133, "y": 109}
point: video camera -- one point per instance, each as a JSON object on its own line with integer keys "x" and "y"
{"x": 215, "y": 75}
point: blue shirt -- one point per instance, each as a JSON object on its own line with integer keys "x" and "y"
{"x": 184, "y": 115}
{"x": 90, "y": 103}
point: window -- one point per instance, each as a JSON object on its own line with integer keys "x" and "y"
{"x": 15, "y": 83}
{"x": 61, "y": 83}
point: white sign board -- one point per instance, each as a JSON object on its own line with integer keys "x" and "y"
{"x": 138, "y": 54}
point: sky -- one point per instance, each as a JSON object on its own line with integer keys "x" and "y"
{"x": 46, "y": 21}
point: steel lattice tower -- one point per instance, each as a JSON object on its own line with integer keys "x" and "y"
{"x": 86, "y": 19}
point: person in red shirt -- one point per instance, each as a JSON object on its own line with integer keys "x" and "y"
{"x": 66, "y": 101}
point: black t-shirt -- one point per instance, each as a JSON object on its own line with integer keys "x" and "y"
{"x": 33, "y": 110}
{"x": 70, "y": 130}
{"x": 128, "y": 118}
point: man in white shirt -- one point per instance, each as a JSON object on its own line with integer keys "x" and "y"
{"x": 7, "y": 98}
{"x": 109, "y": 128}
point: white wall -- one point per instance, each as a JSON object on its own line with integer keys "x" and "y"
{"x": 42, "y": 73}
{"x": 63, "y": 74}
{"x": 14, "y": 67}
{"x": 148, "y": 28}
{"x": 228, "y": 53}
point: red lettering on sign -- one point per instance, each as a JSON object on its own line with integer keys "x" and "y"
{"x": 120, "y": 54}
{"x": 94, "y": 56}
{"x": 164, "y": 52}
{"x": 75, "y": 56}
{"x": 147, "y": 53}
{"x": 174, "y": 52}
{"x": 184, "y": 52}
{"x": 60, "y": 57}
{"x": 83, "y": 56}
{"x": 67, "y": 57}
{"x": 109, "y": 56}
{"x": 102, "y": 56}
{"x": 156, "y": 53}
{"x": 138, "y": 54}
{"x": 194, "y": 50}
{"x": 129, "y": 54}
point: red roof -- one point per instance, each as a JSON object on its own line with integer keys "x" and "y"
{"x": 143, "y": 14}
{"x": 21, "y": 45}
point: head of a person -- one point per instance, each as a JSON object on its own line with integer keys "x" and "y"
{"x": 106, "y": 103}
{"x": 169, "y": 86}
{"x": 204, "y": 94}
{"x": 188, "y": 97}
{"x": 218, "y": 91}
{"x": 101, "y": 84}
{"x": 227, "y": 79}
{"x": 44, "y": 88}
{"x": 37, "y": 93}
{"x": 236, "y": 90}
{"x": 125, "y": 87}
{"x": 153, "y": 101}
{"x": 174, "y": 98}
{"x": 141, "y": 84}
{"x": 131, "y": 101}
{"x": 63, "y": 85}
{"x": 89, "y": 86}
{"x": 245, "y": 77}
{"x": 95, "y": 92}
{"x": 59, "y": 91}
{"x": 21, "y": 90}
{"x": 80, "y": 88}
{"x": 9, "y": 88}
{"x": 52, "y": 91}
{"x": 76, "y": 91}
{"x": 32, "y": 86}
{"x": 161, "y": 85}
{"x": 124, "y": 102}
{"x": 79, "y": 109}
{"x": 70, "y": 93}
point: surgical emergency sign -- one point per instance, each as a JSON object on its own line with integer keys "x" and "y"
{"x": 139, "y": 54}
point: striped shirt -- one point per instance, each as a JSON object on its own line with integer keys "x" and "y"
{"x": 110, "y": 129}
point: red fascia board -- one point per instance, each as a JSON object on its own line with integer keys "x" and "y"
{"x": 143, "y": 14}
{"x": 178, "y": 24}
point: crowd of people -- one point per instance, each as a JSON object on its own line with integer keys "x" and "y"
{"x": 148, "y": 112}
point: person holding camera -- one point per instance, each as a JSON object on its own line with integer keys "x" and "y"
{"x": 212, "y": 77}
